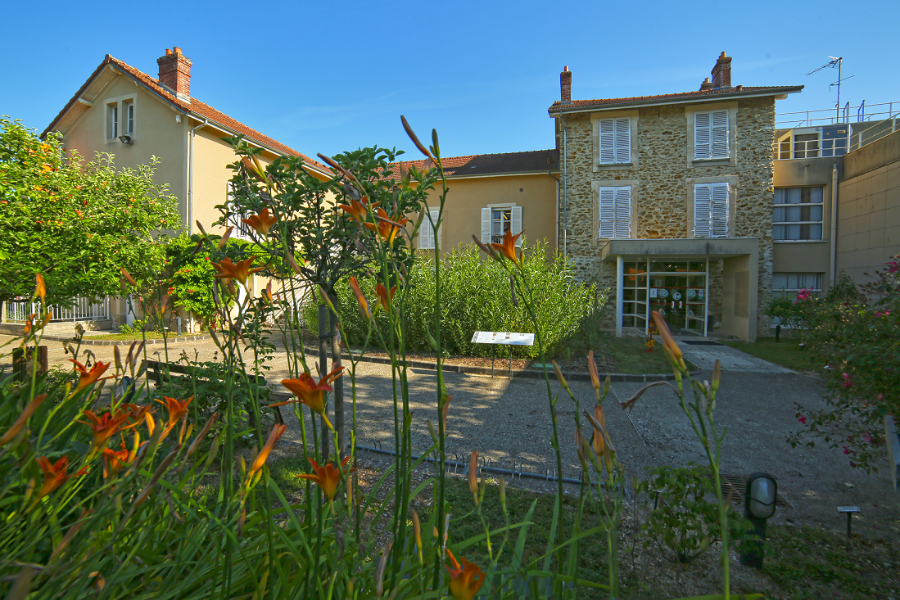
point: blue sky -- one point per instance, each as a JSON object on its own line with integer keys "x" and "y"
{"x": 326, "y": 77}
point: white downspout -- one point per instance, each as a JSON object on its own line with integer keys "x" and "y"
{"x": 834, "y": 210}
{"x": 190, "y": 203}
{"x": 620, "y": 303}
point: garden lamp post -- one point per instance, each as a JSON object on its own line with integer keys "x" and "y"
{"x": 759, "y": 506}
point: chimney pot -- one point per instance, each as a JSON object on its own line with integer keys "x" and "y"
{"x": 175, "y": 73}
{"x": 705, "y": 85}
{"x": 565, "y": 86}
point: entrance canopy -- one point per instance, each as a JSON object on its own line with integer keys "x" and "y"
{"x": 672, "y": 275}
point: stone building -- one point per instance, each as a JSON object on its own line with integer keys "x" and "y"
{"x": 667, "y": 201}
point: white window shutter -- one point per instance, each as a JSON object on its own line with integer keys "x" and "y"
{"x": 719, "y": 143}
{"x": 426, "y": 235}
{"x": 718, "y": 221}
{"x": 702, "y": 135}
{"x": 623, "y": 212}
{"x": 623, "y": 140}
{"x": 607, "y": 199}
{"x": 435, "y": 213}
{"x": 485, "y": 225}
{"x": 607, "y": 142}
{"x": 702, "y": 198}
{"x": 516, "y": 226}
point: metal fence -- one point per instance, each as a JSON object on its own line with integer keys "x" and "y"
{"x": 83, "y": 309}
{"x": 835, "y": 116}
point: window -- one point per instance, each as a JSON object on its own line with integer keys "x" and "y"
{"x": 241, "y": 230}
{"x": 711, "y": 210}
{"x": 711, "y": 135}
{"x": 788, "y": 284}
{"x": 615, "y": 141}
{"x": 615, "y": 212}
{"x": 806, "y": 145}
{"x": 798, "y": 214}
{"x": 426, "y": 233}
{"x": 129, "y": 118}
{"x": 497, "y": 220}
{"x": 112, "y": 128}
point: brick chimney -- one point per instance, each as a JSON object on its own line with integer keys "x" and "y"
{"x": 175, "y": 73}
{"x": 565, "y": 86}
{"x": 706, "y": 85}
{"x": 721, "y": 73}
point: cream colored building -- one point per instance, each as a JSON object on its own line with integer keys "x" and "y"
{"x": 125, "y": 112}
{"x": 490, "y": 194}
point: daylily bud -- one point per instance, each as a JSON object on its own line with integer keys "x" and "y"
{"x": 225, "y": 237}
{"x": 717, "y": 374}
{"x": 559, "y": 375}
{"x": 503, "y": 494}
{"x": 41, "y": 289}
{"x": 414, "y": 138}
{"x": 127, "y": 276}
{"x": 417, "y": 531}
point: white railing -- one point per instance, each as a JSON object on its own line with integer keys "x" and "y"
{"x": 859, "y": 136}
{"x": 835, "y": 116}
{"x": 83, "y": 309}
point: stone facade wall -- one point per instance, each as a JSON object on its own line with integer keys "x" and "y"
{"x": 663, "y": 176}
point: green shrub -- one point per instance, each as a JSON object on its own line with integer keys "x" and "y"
{"x": 684, "y": 521}
{"x": 476, "y": 296}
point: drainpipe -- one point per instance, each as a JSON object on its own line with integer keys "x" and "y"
{"x": 565, "y": 182}
{"x": 834, "y": 210}
{"x": 556, "y": 179}
{"x": 190, "y": 204}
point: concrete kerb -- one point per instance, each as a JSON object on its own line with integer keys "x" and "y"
{"x": 534, "y": 373}
{"x": 153, "y": 342}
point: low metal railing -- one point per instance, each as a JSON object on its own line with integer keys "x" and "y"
{"x": 83, "y": 309}
{"x": 835, "y": 116}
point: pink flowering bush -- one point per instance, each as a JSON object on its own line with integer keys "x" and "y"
{"x": 855, "y": 334}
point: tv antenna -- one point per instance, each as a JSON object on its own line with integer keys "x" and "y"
{"x": 836, "y": 62}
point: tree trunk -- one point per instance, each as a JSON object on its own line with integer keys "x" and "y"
{"x": 323, "y": 369}
{"x": 338, "y": 388}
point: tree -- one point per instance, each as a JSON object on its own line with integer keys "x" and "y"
{"x": 75, "y": 223}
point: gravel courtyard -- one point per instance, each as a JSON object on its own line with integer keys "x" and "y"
{"x": 507, "y": 422}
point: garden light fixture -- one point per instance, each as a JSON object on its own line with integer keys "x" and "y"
{"x": 759, "y": 505}
{"x": 126, "y": 139}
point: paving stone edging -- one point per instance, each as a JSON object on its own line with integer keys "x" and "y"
{"x": 101, "y": 342}
{"x": 535, "y": 373}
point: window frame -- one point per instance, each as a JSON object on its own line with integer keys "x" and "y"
{"x": 514, "y": 218}
{"x": 112, "y": 121}
{"x": 821, "y": 222}
{"x": 711, "y": 144}
{"x": 621, "y": 116}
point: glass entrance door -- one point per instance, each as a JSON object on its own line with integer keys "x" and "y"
{"x": 678, "y": 289}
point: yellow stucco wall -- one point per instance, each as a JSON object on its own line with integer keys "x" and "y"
{"x": 536, "y": 194}
{"x": 156, "y": 133}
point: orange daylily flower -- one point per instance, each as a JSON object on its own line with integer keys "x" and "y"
{"x": 363, "y": 304}
{"x": 668, "y": 341}
{"x": 105, "y": 427}
{"x": 54, "y": 474}
{"x": 384, "y": 299}
{"x": 227, "y": 270}
{"x": 386, "y": 227}
{"x": 601, "y": 448}
{"x": 465, "y": 581}
{"x": 20, "y": 421}
{"x": 261, "y": 223}
{"x": 327, "y": 477}
{"x": 260, "y": 460}
{"x": 508, "y": 247}
{"x": 177, "y": 411}
{"x": 311, "y": 393}
{"x": 357, "y": 209}
{"x": 85, "y": 377}
{"x": 113, "y": 460}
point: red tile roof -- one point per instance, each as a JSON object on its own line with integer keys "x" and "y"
{"x": 195, "y": 108}
{"x": 539, "y": 161}
{"x": 729, "y": 92}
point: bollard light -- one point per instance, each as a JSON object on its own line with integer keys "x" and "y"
{"x": 759, "y": 506}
